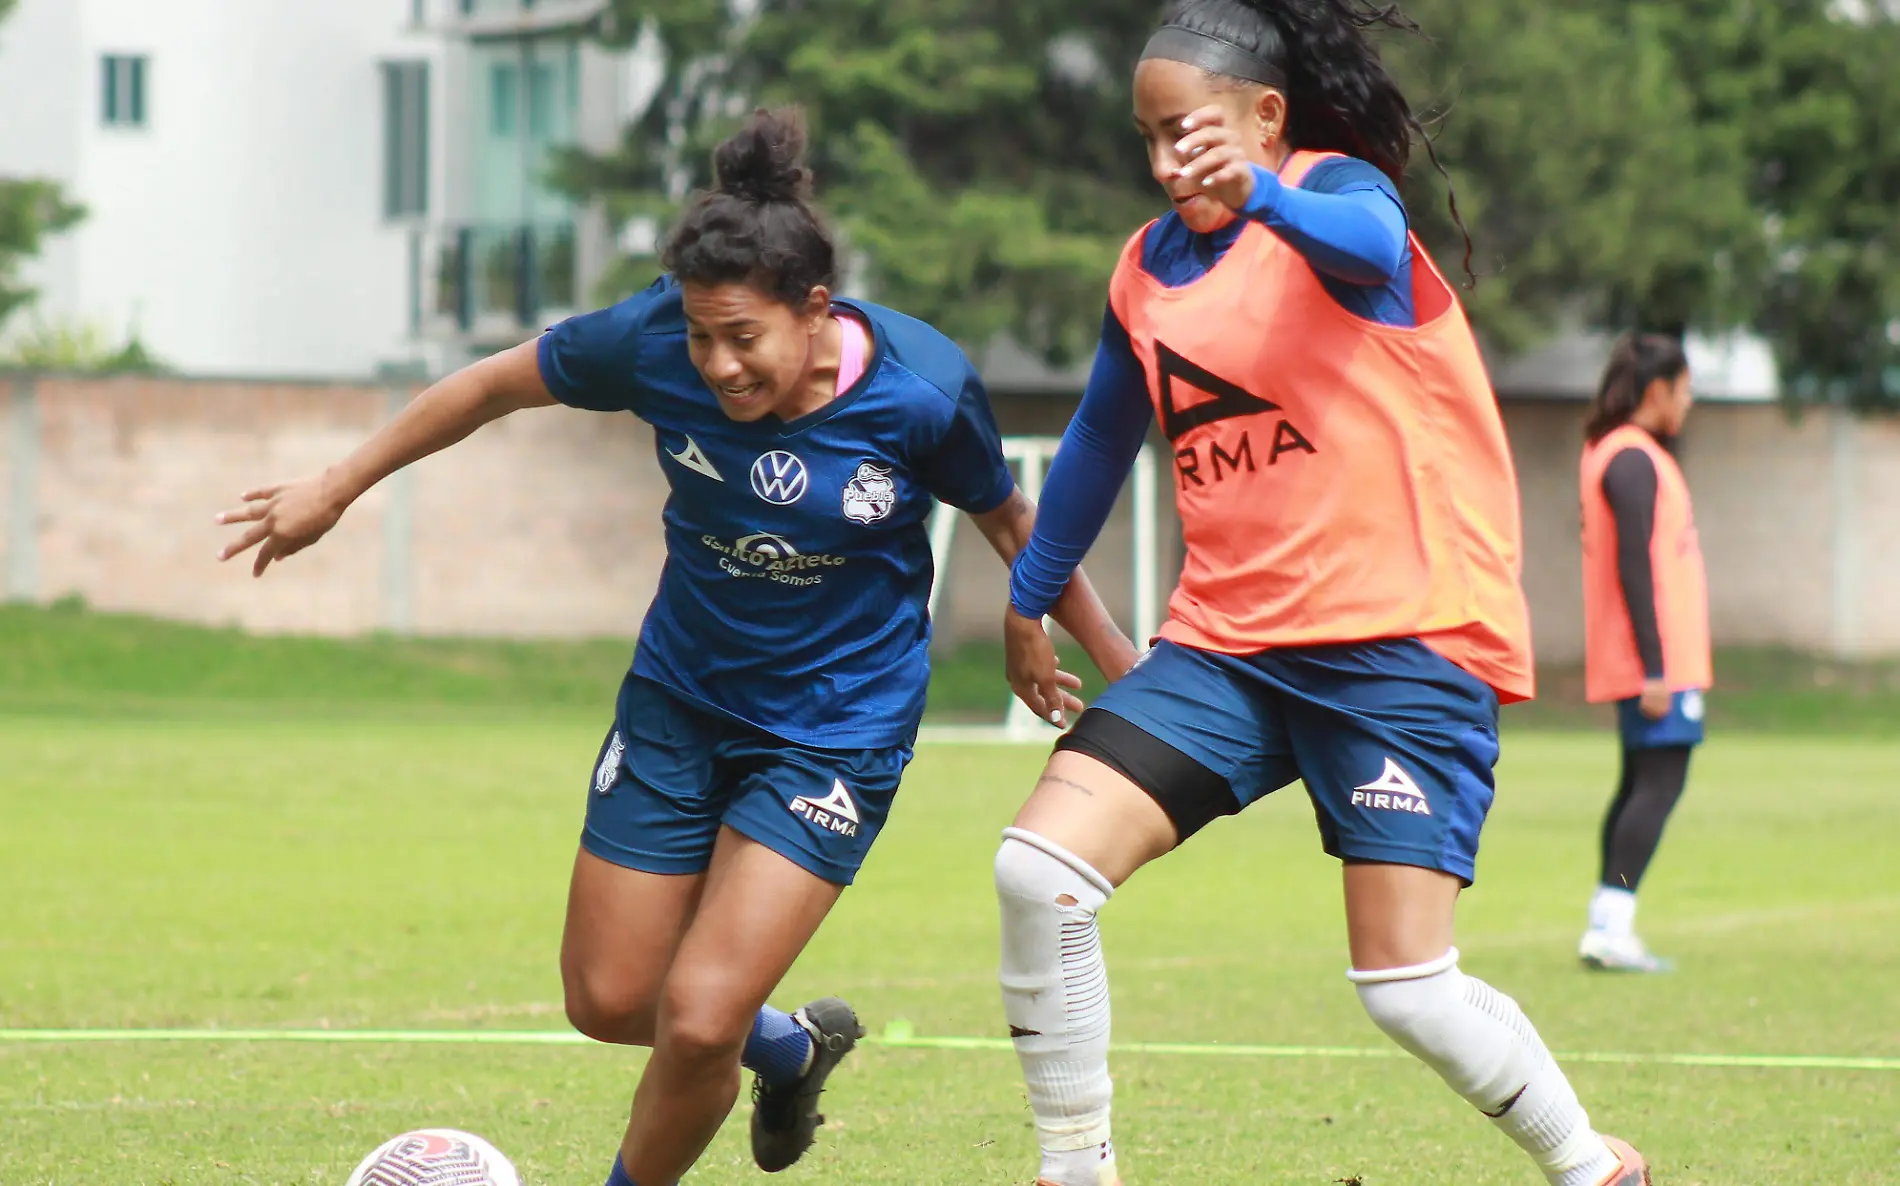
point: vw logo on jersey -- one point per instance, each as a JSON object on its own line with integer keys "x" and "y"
{"x": 779, "y": 478}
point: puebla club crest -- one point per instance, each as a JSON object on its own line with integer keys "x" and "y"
{"x": 870, "y": 494}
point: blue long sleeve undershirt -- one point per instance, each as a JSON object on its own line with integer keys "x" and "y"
{"x": 1350, "y": 226}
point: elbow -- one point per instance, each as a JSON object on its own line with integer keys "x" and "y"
{"x": 1382, "y": 261}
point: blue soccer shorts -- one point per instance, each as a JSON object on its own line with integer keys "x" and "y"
{"x": 1395, "y": 743}
{"x": 1681, "y": 725}
{"x": 671, "y": 772}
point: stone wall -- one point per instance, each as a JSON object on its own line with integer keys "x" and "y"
{"x": 547, "y": 523}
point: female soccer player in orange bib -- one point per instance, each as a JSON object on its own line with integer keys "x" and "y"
{"x": 1349, "y": 612}
{"x": 1646, "y": 622}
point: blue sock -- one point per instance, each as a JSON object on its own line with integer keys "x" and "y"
{"x": 777, "y": 1048}
{"x": 619, "y": 1176}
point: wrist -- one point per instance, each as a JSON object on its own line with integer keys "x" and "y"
{"x": 340, "y": 487}
{"x": 1263, "y": 194}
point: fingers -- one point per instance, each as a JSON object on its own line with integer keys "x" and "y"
{"x": 1073, "y": 704}
{"x": 264, "y": 493}
{"x": 1067, "y": 679}
{"x": 1052, "y": 699}
{"x": 272, "y": 550}
{"x": 245, "y": 542}
{"x": 1195, "y": 144}
{"x": 1227, "y": 176}
{"x": 250, "y": 512}
{"x": 1222, "y": 159}
{"x": 1032, "y": 697}
{"x": 1212, "y": 116}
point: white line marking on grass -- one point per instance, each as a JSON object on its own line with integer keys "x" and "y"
{"x": 899, "y": 1036}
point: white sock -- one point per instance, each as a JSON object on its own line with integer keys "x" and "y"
{"x": 1055, "y": 994}
{"x": 1484, "y": 1047}
{"x": 1613, "y": 910}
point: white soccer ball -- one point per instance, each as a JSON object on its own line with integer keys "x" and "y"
{"x": 436, "y": 1157}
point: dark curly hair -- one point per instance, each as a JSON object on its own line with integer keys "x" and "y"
{"x": 757, "y": 225}
{"x": 1340, "y": 98}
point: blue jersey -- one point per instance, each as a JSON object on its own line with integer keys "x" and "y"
{"x": 798, "y": 562}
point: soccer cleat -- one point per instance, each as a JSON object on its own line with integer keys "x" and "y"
{"x": 1634, "y": 1171}
{"x": 1603, "y": 951}
{"x": 785, "y": 1119}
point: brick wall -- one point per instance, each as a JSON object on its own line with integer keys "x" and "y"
{"x": 547, "y": 523}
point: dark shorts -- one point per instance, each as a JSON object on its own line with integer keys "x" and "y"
{"x": 1681, "y": 726}
{"x": 672, "y": 772}
{"x": 1394, "y": 742}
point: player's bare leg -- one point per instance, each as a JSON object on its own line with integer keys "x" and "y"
{"x": 756, "y": 914}
{"x": 1083, "y": 832}
{"x": 1399, "y": 926}
{"x": 623, "y": 927}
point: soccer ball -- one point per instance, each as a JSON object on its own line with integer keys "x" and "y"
{"x": 435, "y": 1157}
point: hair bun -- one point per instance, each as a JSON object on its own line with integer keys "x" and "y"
{"x": 764, "y": 161}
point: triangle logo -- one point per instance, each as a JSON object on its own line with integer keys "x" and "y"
{"x": 695, "y": 459}
{"x": 1393, "y": 780}
{"x": 838, "y": 802}
{"x": 1226, "y": 399}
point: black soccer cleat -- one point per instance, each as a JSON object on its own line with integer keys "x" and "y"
{"x": 785, "y": 1119}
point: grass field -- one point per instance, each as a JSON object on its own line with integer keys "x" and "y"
{"x": 387, "y": 848}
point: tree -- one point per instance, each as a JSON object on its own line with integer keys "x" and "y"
{"x": 975, "y": 152}
{"x": 1591, "y": 189}
{"x": 30, "y": 209}
{"x": 1660, "y": 163}
{"x": 1824, "y": 140}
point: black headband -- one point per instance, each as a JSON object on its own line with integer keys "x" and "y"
{"x": 1213, "y": 54}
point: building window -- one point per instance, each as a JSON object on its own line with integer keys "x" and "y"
{"x": 405, "y": 139}
{"x": 504, "y": 98}
{"x": 123, "y": 103}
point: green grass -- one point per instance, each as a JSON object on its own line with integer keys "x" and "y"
{"x": 294, "y": 865}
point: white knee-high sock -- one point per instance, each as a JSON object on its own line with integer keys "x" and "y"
{"x": 1055, "y": 994}
{"x": 1484, "y": 1047}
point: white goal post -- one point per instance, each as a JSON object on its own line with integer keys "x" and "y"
{"x": 1031, "y": 456}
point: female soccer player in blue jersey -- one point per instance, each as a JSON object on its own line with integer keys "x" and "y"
{"x": 781, "y": 670}
{"x": 1349, "y": 614}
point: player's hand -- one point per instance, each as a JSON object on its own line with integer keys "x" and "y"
{"x": 285, "y": 519}
{"x": 1656, "y": 699}
{"x": 1215, "y": 159}
{"x": 1030, "y": 660}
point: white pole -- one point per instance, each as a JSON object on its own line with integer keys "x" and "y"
{"x": 1146, "y": 547}
{"x": 1845, "y": 538}
{"x": 1021, "y": 723}
{"x": 943, "y": 533}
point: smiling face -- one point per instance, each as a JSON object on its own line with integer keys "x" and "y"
{"x": 753, "y": 350}
{"x": 1166, "y": 92}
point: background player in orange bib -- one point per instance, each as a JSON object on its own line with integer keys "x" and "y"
{"x": 1646, "y": 622}
{"x": 1349, "y": 612}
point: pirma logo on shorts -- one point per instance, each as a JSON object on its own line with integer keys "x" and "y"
{"x": 609, "y": 767}
{"x": 1393, "y": 790}
{"x": 834, "y": 813}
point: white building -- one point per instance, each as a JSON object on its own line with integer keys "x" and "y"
{"x": 309, "y": 188}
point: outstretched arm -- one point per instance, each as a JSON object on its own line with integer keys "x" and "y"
{"x": 1097, "y": 450}
{"x": 1078, "y": 609}
{"x": 289, "y": 517}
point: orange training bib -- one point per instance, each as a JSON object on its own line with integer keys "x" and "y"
{"x": 1612, "y": 668}
{"x": 1338, "y": 480}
